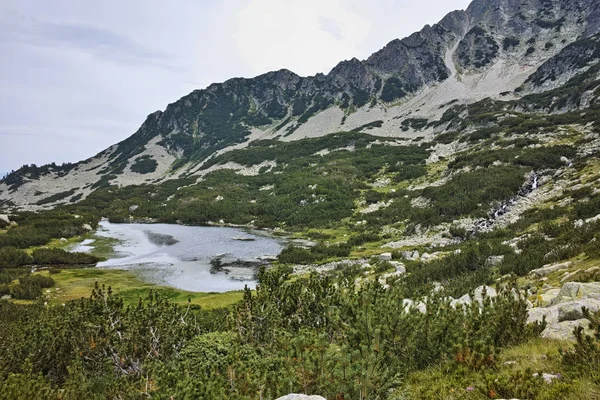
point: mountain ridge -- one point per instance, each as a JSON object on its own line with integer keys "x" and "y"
{"x": 464, "y": 57}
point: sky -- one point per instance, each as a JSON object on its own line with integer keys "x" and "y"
{"x": 79, "y": 76}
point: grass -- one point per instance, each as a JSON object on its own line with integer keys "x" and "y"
{"x": 444, "y": 381}
{"x": 73, "y": 284}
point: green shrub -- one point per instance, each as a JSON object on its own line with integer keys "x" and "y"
{"x": 12, "y": 257}
{"x": 59, "y": 256}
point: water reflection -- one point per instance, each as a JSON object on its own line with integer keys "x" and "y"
{"x": 180, "y": 256}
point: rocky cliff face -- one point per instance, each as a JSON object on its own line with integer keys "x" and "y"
{"x": 488, "y": 50}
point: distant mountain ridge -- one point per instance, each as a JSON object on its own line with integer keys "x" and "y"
{"x": 498, "y": 49}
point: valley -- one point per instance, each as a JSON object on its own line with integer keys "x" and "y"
{"x": 422, "y": 224}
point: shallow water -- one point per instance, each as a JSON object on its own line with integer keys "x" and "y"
{"x": 179, "y": 256}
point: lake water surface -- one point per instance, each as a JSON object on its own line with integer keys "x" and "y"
{"x": 179, "y": 256}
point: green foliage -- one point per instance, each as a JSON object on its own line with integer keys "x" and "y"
{"x": 414, "y": 123}
{"x": 12, "y": 257}
{"x": 392, "y": 90}
{"x": 35, "y": 229}
{"x": 320, "y": 252}
{"x": 465, "y": 191}
{"x": 510, "y": 42}
{"x": 584, "y": 358}
{"x": 56, "y": 197}
{"x": 59, "y": 256}
{"x": 144, "y": 165}
{"x": 30, "y": 287}
{"x": 537, "y": 158}
{"x": 546, "y": 24}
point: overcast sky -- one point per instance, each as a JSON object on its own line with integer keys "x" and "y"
{"x": 78, "y": 76}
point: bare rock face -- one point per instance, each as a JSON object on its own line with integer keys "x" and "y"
{"x": 477, "y": 49}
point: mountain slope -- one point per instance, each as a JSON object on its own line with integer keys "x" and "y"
{"x": 498, "y": 49}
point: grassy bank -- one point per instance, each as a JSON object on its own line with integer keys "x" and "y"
{"x": 73, "y": 284}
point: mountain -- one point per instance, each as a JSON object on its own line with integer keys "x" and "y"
{"x": 499, "y": 74}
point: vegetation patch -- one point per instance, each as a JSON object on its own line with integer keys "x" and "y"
{"x": 144, "y": 165}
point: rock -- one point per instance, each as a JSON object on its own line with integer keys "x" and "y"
{"x": 576, "y": 290}
{"x": 572, "y": 310}
{"x": 546, "y": 298}
{"x": 478, "y": 293}
{"x": 4, "y": 217}
{"x": 87, "y": 227}
{"x": 548, "y": 378}
{"x": 407, "y": 255}
{"x": 415, "y": 255}
{"x": 365, "y": 266}
{"x": 133, "y": 208}
{"x": 593, "y": 219}
{"x": 494, "y": 260}
{"x": 398, "y": 265}
{"x": 219, "y": 198}
{"x": 536, "y": 314}
{"x": 563, "y": 330}
{"x": 383, "y": 278}
{"x": 567, "y": 276}
{"x": 385, "y": 256}
{"x": 464, "y": 300}
{"x": 564, "y": 159}
{"x": 548, "y": 269}
{"x": 294, "y": 396}
{"x": 62, "y": 240}
{"x": 425, "y": 256}
{"x": 267, "y": 257}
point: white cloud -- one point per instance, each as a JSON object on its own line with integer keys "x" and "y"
{"x": 306, "y": 36}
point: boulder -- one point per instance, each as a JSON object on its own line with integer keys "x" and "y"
{"x": 548, "y": 269}
{"x": 569, "y": 275}
{"x": 383, "y": 278}
{"x": 494, "y": 260}
{"x": 563, "y": 330}
{"x": 549, "y": 296}
{"x": 464, "y": 300}
{"x": 407, "y": 304}
{"x": 294, "y": 396}
{"x": 133, "y": 208}
{"x": 478, "y": 293}
{"x": 4, "y": 217}
{"x": 548, "y": 378}
{"x": 399, "y": 267}
{"x": 536, "y": 314}
{"x": 577, "y": 290}
{"x": 422, "y": 307}
{"x": 87, "y": 227}
{"x": 572, "y": 310}
{"x": 385, "y": 256}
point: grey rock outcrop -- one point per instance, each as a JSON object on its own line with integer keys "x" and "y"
{"x": 572, "y": 310}
{"x": 565, "y": 310}
{"x": 563, "y": 330}
{"x": 548, "y": 269}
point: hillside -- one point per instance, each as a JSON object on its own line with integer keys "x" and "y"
{"x": 405, "y": 93}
